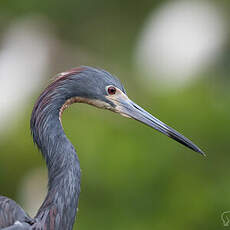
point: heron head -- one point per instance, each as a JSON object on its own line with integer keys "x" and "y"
{"x": 99, "y": 88}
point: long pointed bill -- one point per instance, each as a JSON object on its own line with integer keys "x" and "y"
{"x": 128, "y": 108}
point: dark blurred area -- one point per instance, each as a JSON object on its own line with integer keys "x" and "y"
{"x": 173, "y": 58}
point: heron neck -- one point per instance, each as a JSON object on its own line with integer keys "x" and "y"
{"x": 61, "y": 201}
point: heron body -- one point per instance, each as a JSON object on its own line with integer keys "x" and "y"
{"x": 83, "y": 85}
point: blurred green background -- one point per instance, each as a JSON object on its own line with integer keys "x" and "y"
{"x": 132, "y": 176}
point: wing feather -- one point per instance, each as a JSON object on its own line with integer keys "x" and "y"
{"x": 11, "y": 212}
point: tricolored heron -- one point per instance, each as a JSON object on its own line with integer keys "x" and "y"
{"x": 83, "y": 85}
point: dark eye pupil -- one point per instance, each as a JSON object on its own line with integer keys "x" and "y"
{"x": 111, "y": 90}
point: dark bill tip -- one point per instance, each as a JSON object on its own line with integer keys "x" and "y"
{"x": 187, "y": 143}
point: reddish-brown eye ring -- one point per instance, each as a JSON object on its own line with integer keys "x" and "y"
{"x": 111, "y": 90}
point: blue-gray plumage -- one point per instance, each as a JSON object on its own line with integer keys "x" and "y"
{"x": 83, "y": 85}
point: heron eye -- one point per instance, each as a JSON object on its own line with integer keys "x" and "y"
{"x": 111, "y": 90}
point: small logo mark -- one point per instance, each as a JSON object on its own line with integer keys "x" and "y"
{"x": 225, "y": 217}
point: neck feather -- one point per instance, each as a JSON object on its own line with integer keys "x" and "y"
{"x": 60, "y": 205}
